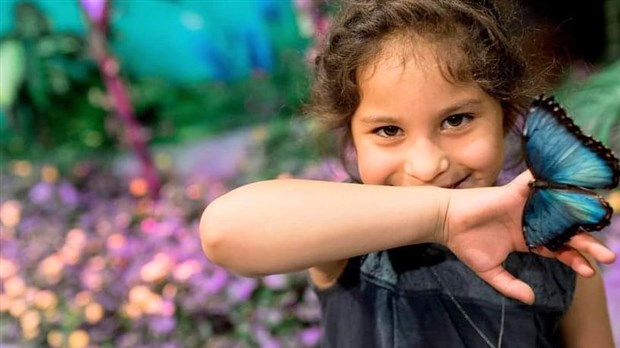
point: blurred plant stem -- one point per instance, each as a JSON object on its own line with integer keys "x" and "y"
{"x": 120, "y": 103}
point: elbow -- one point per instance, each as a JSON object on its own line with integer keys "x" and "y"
{"x": 217, "y": 239}
{"x": 211, "y": 233}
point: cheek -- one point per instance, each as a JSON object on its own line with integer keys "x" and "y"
{"x": 484, "y": 156}
{"x": 374, "y": 166}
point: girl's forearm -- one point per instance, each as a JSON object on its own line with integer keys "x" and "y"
{"x": 289, "y": 225}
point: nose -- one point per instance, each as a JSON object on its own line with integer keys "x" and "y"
{"x": 425, "y": 161}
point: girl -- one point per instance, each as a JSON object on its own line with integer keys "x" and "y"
{"x": 429, "y": 251}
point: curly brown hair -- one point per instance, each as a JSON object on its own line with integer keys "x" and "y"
{"x": 473, "y": 34}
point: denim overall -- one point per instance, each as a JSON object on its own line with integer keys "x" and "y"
{"x": 394, "y": 299}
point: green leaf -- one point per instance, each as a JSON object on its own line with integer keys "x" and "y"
{"x": 12, "y": 69}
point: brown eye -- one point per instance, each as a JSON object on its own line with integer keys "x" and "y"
{"x": 388, "y": 131}
{"x": 456, "y": 121}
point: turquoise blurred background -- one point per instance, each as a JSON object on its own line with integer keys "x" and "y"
{"x": 185, "y": 41}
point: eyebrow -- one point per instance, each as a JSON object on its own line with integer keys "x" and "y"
{"x": 375, "y": 119}
{"x": 460, "y": 106}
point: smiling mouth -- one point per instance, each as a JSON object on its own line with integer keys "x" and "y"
{"x": 456, "y": 184}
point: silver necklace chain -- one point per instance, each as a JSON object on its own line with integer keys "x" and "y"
{"x": 468, "y": 318}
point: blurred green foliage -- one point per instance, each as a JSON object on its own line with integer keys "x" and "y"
{"x": 54, "y": 107}
{"x": 45, "y": 84}
{"x": 185, "y": 112}
{"x": 595, "y": 104}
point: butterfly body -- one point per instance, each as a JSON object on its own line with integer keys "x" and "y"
{"x": 567, "y": 166}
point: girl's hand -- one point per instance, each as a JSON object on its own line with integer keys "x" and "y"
{"x": 483, "y": 225}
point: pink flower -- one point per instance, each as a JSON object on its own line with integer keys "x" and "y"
{"x": 186, "y": 269}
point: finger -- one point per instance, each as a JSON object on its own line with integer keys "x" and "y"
{"x": 570, "y": 257}
{"x": 522, "y": 181}
{"x": 508, "y": 285}
{"x": 576, "y": 261}
{"x": 586, "y": 243}
{"x": 523, "y": 178}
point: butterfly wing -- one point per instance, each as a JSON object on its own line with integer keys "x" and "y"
{"x": 553, "y": 216}
{"x": 558, "y": 152}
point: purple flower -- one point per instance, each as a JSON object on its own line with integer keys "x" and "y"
{"x": 170, "y": 345}
{"x": 130, "y": 339}
{"x": 309, "y": 310}
{"x": 103, "y": 248}
{"x": 162, "y": 324}
{"x": 241, "y": 289}
{"x": 216, "y": 282}
{"x": 311, "y": 336}
{"x": 95, "y": 9}
{"x": 271, "y": 316}
{"x": 41, "y": 192}
{"x": 68, "y": 194}
{"x": 276, "y": 281}
{"x": 264, "y": 338}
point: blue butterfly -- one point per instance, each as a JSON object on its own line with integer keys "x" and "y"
{"x": 567, "y": 166}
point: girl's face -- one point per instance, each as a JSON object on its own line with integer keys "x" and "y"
{"x": 413, "y": 127}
